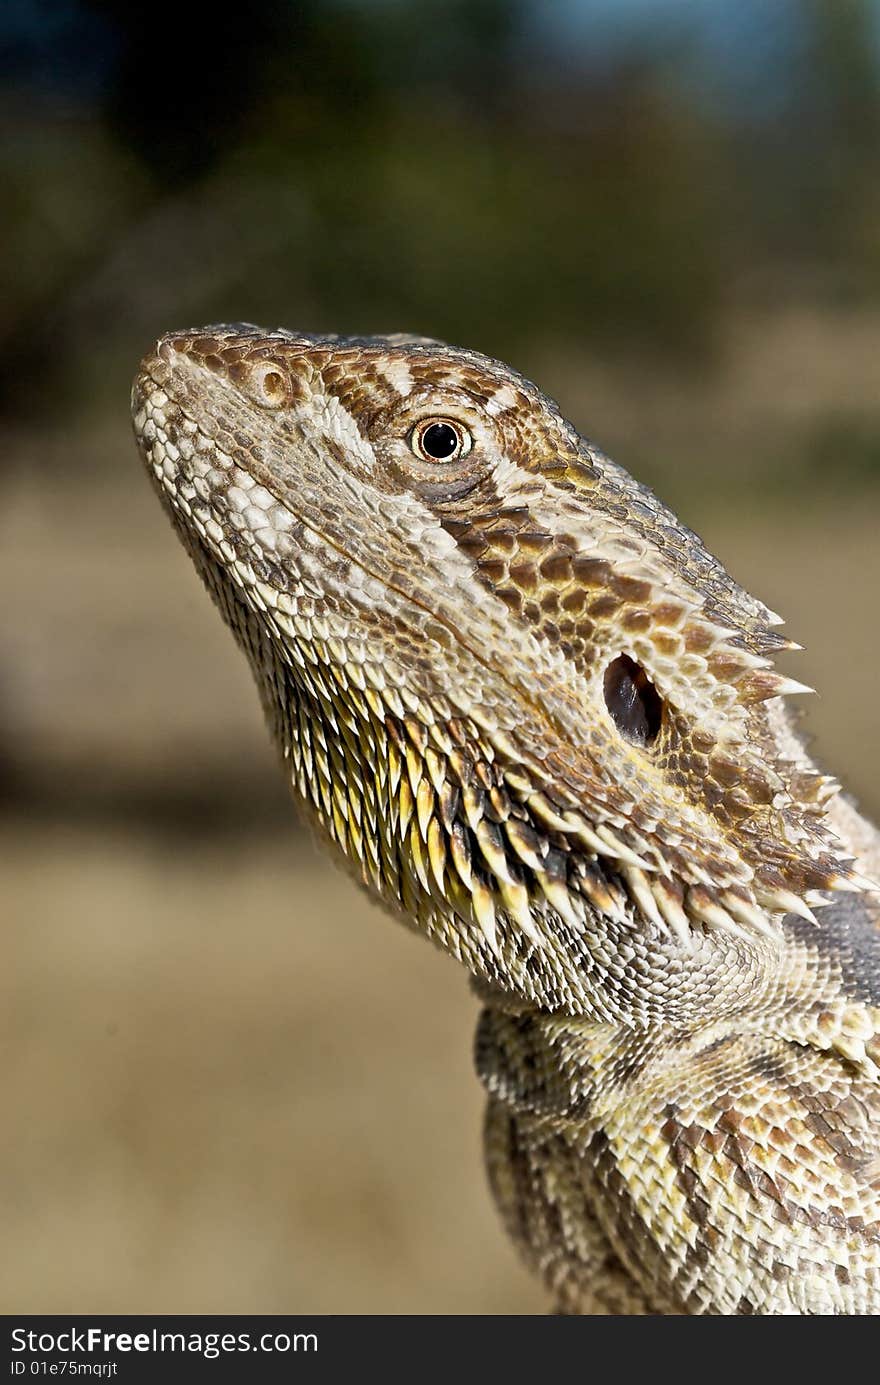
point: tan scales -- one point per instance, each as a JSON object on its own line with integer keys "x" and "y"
{"x": 542, "y": 724}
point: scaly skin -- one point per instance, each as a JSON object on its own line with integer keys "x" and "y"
{"x": 541, "y": 723}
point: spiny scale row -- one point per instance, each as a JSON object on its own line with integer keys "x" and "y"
{"x": 487, "y": 842}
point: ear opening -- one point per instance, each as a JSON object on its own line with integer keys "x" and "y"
{"x": 634, "y": 703}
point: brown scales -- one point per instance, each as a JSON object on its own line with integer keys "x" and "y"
{"x": 542, "y": 724}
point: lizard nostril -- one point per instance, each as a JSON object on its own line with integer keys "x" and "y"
{"x": 635, "y": 705}
{"x": 269, "y": 384}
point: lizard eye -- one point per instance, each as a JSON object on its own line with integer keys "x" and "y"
{"x": 440, "y": 440}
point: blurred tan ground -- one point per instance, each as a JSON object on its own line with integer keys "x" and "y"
{"x": 229, "y": 1083}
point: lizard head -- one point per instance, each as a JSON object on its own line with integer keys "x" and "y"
{"x": 530, "y": 709}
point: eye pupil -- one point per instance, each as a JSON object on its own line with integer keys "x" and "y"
{"x": 440, "y": 441}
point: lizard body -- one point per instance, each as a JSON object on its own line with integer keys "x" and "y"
{"x": 542, "y": 725}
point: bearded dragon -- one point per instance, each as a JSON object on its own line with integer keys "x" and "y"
{"x": 542, "y": 725}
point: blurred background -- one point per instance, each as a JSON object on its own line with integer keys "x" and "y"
{"x": 230, "y": 1084}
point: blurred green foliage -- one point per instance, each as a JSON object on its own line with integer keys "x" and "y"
{"x": 454, "y": 167}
